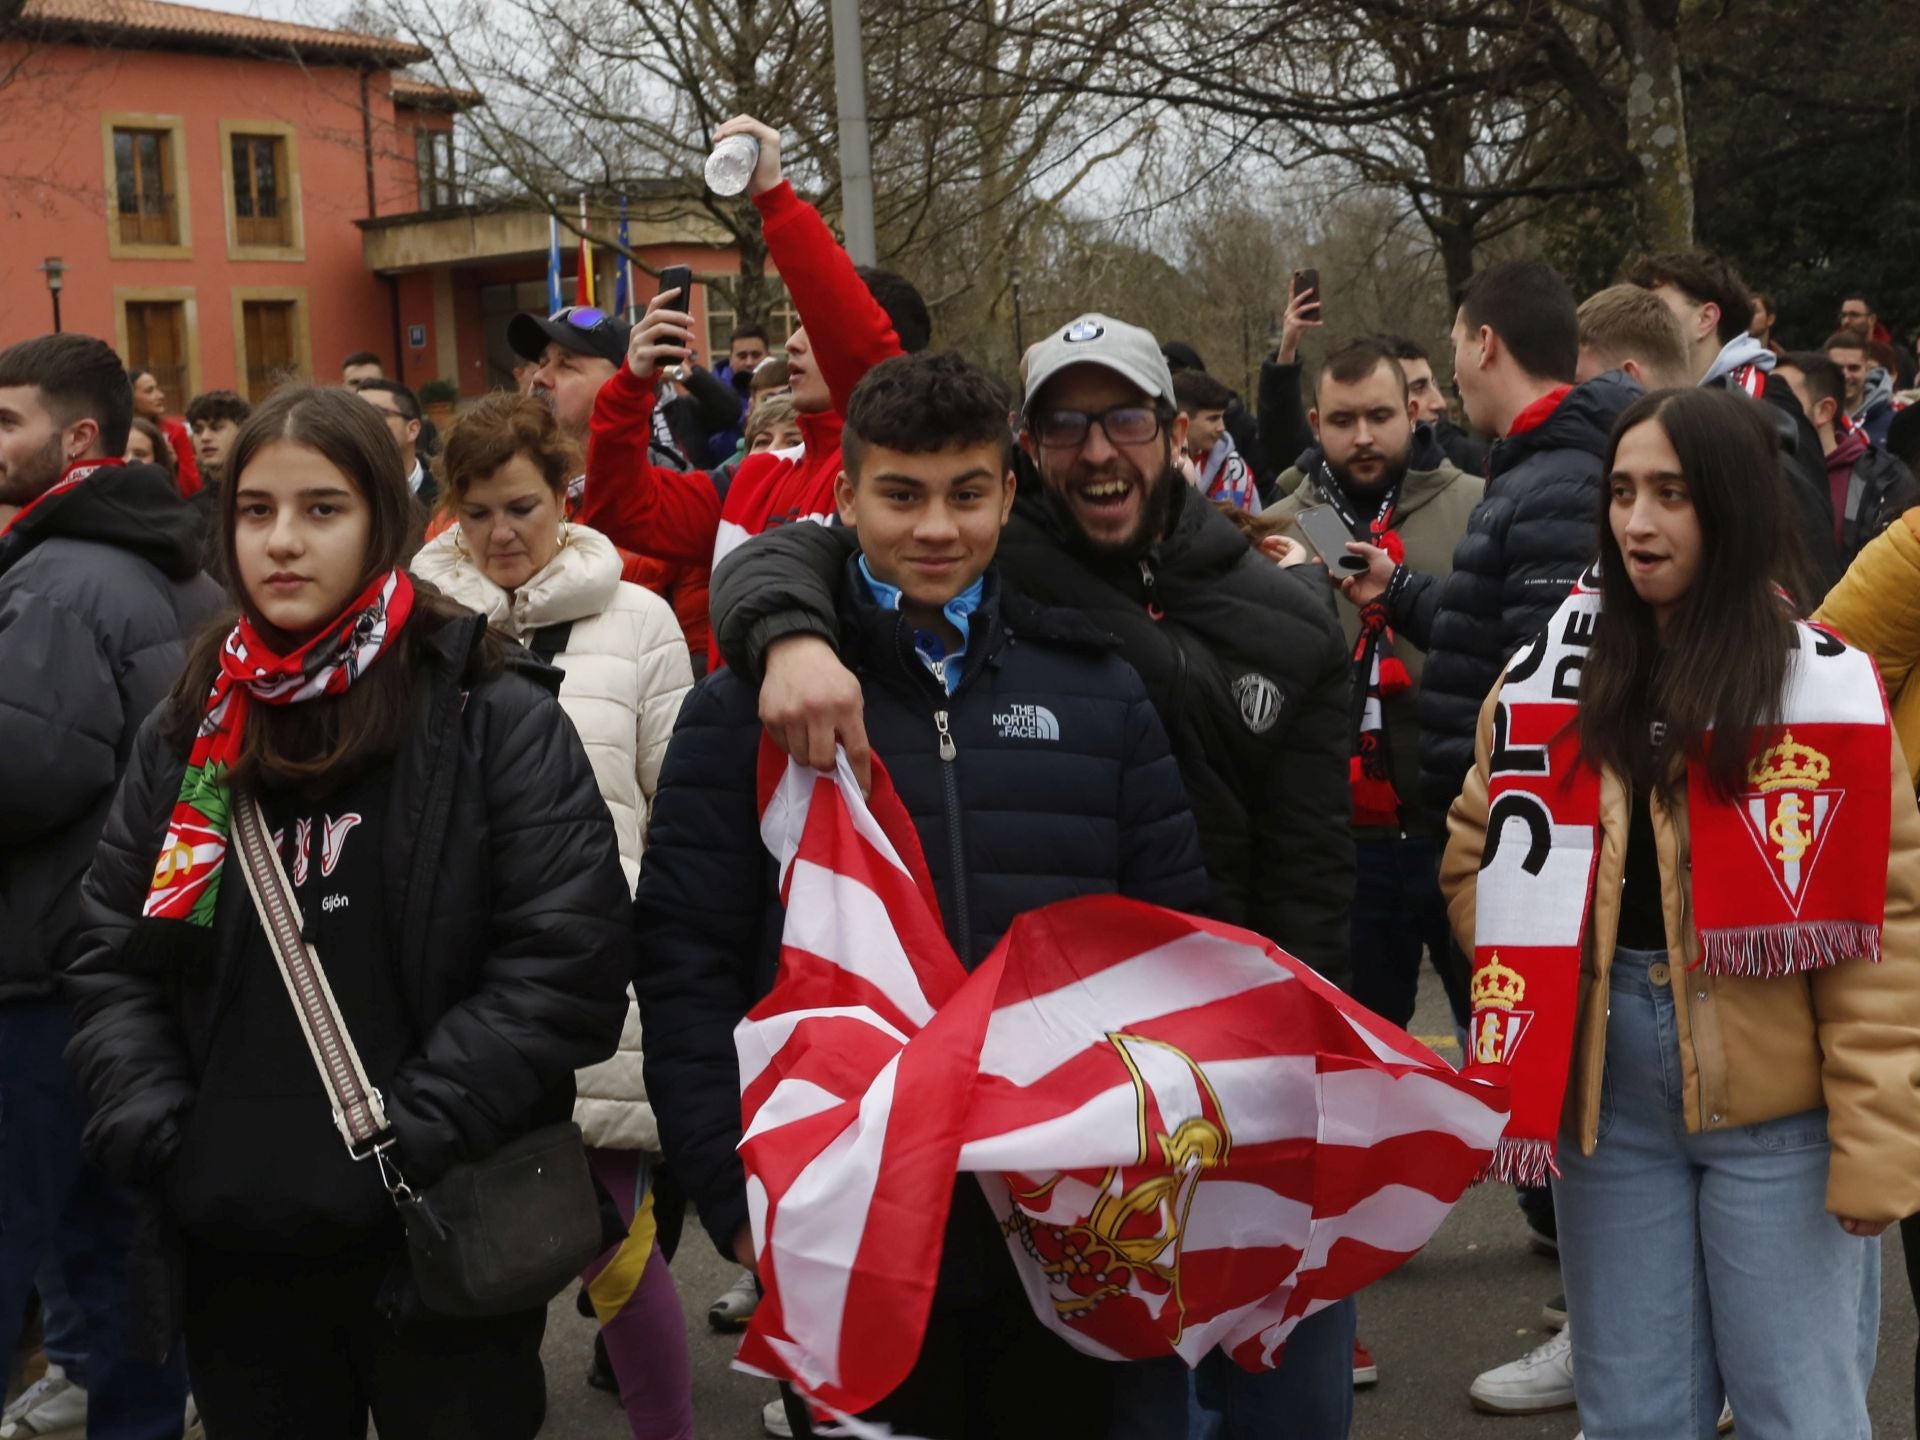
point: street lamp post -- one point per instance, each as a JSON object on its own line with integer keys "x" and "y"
{"x": 856, "y": 158}
{"x": 55, "y": 273}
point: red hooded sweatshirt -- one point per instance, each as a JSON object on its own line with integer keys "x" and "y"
{"x": 677, "y": 516}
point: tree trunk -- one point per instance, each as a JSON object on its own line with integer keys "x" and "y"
{"x": 1657, "y": 127}
{"x": 750, "y": 286}
{"x": 1457, "y": 240}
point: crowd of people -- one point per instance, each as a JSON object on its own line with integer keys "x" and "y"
{"x": 1594, "y": 691}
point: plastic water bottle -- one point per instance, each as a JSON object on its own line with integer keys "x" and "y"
{"x": 731, "y": 164}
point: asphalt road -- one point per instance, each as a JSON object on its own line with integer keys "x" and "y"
{"x": 1469, "y": 1301}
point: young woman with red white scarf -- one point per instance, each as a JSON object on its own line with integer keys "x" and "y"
{"x": 1686, "y": 864}
{"x": 456, "y": 872}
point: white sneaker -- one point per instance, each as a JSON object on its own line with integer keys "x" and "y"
{"x": 1539, "y": 1381}
{"x": 773, "y": 1420}
{"x": 735, "y": 1308}
{"x": 52, "y": 1408}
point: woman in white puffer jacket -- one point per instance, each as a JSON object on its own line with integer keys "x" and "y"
{"x": 512, "y": 556}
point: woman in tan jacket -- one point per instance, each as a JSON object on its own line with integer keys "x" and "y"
{"x": 1685, "y": 864}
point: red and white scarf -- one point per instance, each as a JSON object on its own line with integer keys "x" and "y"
{"x": 186, "y": 874}
{"x": 1790, "y": 876}
{"x": 1378, "y": 674}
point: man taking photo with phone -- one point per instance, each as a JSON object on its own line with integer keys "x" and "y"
{"x": 1379, "y": 473}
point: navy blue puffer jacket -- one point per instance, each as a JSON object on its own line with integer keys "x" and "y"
{"x": 1526, "y": 543}
{"x": 1060, "y": 784}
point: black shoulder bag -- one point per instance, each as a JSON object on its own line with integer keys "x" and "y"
{"x": 490, "y": 1237}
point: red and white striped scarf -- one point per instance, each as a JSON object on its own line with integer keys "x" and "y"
{"x": 1789, "y": 877}
{"x": 1190, "y": 1139}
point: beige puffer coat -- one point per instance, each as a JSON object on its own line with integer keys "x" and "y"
{"x": 624, "y": 673}
{"x": 1751, "y": 1050}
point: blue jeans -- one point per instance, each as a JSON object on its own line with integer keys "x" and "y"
{"x": 54, "y": 1206}
{"x": 1309, "y": 1396}
{"x": 1398, "y": 912}
{"x": 1703, "y": 1266}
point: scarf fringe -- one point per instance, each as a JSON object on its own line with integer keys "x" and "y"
{"x": 1770, "y": 951}
{"x": 1520, "y": 1162}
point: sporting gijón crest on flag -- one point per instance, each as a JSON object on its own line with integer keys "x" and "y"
{"x": 1189, "y": 1138}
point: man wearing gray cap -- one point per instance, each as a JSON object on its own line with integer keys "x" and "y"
{"x": 1243, "y": 662}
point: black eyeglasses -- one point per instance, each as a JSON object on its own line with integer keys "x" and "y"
{"x": 1121, "y": 424}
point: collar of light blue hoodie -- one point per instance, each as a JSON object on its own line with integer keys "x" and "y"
{"x": 944, "y": 667}
{"x": 1741, "y": 350}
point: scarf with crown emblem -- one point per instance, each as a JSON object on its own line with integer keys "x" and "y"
{"x": 1788, "y": 876}
{"x": 186, "y": 873}
{"x": 1378, "y": 674}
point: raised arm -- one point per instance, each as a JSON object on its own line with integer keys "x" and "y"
{"x": 849, "y": 332}
{"x": 646, "y": 508}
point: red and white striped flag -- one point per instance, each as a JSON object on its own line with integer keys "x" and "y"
{"x": 1190, "y": 1139}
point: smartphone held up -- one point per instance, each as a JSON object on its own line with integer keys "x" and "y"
{"x": 1307, "y": 282}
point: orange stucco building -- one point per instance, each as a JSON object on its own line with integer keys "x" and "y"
{"x": 234, "y": 201}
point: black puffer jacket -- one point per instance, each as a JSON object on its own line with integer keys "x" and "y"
{"x": 1060, "y": 785}
{"x": 1526, "y": 543}
{"x": 100, "y": 592}
{"x": 507, "y": 926}
{"x": 1879, "y": 488}
{"x": 1803, "y": 473}
{"x": 1245, "y": 664}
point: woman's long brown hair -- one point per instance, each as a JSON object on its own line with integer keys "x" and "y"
{"x": 1714, "y": 677}
{"x": 320, "y": 743}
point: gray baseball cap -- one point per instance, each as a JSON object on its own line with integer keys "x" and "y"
{"x": 1127, "y": 350}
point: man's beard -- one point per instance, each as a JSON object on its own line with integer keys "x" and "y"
{"x": 1392, "y": 472}
{"x": 32, "y": 477}
{"x": 1160, "y": 504}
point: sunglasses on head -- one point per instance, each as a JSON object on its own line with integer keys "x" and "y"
{"x": 582, "y": 317}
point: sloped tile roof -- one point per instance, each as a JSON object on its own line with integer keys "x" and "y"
{"x": 161, "y": 23}
{"x": 425, "y": 95}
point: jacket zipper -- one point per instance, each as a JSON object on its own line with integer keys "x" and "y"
{"x": 1154, "y": 612}
{"x": 950, "y": 784}
{"x": 935, "y": 671}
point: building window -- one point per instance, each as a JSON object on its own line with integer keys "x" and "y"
{"x": 272, "y": 353}
{"x": 261, "y": 212}
{"x": 143, "y": 177}
{"x": 157, "y": 341}
{"x": 433, "y": 159}
{"x": 781, "y": 323}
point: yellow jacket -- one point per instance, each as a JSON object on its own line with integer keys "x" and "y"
{"x": 1751, "y": 1050}
{"x": 1876, "y": 607}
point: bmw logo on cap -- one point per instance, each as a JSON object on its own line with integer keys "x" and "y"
{"x": 1082, "y": 332}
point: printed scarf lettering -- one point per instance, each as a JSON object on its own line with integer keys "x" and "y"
{"x": 1789, "y": 877}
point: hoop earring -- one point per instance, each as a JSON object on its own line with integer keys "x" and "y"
{"x": 566, "y": 532}
{"x": 460, "y": 543}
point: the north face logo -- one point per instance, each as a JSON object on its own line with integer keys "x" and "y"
{"x": 1026, "y": 722}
